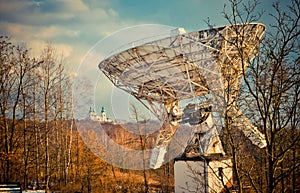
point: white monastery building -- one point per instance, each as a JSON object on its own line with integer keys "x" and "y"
{"x": 101, "y": 118}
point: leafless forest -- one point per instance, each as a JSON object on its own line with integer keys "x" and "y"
{"x": 40, "y": 146}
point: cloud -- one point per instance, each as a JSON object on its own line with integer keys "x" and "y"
{"x": 59, "y": 20}
{"x": 36, "y": 48}
{"x": 12, "y": 6}
{"x": 67, "y": 25}
{"x": 16, "y": 30}
{"x": 55, "y": 31}
{"x": 76, "y": 5}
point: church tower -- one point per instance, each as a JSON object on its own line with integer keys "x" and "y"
{"x": 103, "y": 114}
{"x": 92, "y": 114}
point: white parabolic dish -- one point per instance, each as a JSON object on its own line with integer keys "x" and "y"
{"x": 199, "y": 65}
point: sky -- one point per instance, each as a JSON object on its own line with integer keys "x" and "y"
{"x": 78, "y": 28}
{"x": 74, "y": 26}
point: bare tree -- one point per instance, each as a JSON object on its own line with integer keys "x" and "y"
{"x": 16, "y": 66}
{"x": 142, "y": 140}
{"x": 7, "y": 50}
{"x": 49, "y": 83}
{"x": 28, "y": 82}
{"x": 270, "y": 97}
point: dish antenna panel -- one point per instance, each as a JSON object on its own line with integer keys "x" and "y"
{"x": 180, "y": 78}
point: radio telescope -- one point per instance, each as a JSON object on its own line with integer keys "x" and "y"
{"x": 181, "y": 79}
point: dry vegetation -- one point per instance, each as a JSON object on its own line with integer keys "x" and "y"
{"x": 40, "y": 145}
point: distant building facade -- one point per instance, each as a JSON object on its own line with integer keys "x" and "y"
{"x": 101, "y": 118}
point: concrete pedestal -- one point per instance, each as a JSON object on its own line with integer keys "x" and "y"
{"x": 205, "y": 174}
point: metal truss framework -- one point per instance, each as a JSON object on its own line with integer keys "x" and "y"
{"x": 186, "y": 66}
